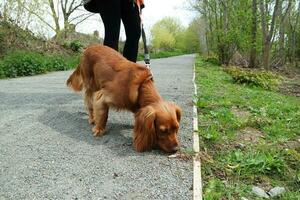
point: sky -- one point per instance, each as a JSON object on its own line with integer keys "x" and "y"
{"x": 154, "y": 11}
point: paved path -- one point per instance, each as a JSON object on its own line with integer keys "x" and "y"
{"x": 47, "y": 150}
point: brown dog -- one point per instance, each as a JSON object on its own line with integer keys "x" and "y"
{"x": 110, "y": 80}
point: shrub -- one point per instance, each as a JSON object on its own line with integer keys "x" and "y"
{"x": 21, "y": 63}
{"x": 212, "y": 59}
{"x": 1, "y": 71}
{"x": 264, "y": 79}
{"x": 24, "y": 63}
{"x": 59, "y": 63}
{"x": 56, "y": 63}
{"x": 76, "y": 45}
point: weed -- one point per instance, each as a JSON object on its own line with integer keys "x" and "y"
{"x": 264, "y": 79}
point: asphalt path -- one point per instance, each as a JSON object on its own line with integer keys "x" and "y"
{"x": 47, "y": 150}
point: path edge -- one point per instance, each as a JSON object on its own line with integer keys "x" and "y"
{"x": 197, "y": 179}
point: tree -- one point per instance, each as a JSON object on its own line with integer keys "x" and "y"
{"x": 267, "y": 32}
{"x": 225, "y": 33}
{"x": 62, "y": 12}
{"x": 293, "y": 36}
{"x": 165, "y": 33}
{"x": 252, "y": 62}
{"x": 68, "y": 8}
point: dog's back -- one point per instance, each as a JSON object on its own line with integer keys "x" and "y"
{"x": 104, "y": 69}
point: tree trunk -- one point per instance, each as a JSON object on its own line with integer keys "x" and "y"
{"x": 268, "y": 33}
{"x": 283, "y": 15}
{"x": 55, "y": 17}
{"x": 252, "y": 62}
{"x": 294, "y": 57}
{"x": 266, "y": 54}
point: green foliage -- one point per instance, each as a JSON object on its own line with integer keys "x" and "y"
{"x": 164, "y": 33}
{"x": 24, "y": 63}
{"x": 264, "y": 79}
{"x": 2, "y": 75}
{"x": 169, "y": 35}
{"x": 76, "y": 45}
{"x": 212, "y": 59}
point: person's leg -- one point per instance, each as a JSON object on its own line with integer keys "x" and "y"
{"x": 110, "y": 12}
{"x": 132, "y": 24}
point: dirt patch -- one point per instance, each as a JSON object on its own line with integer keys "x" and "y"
{"x": 292, "y": 144}
{"x": 249, "y": 134}
{"x": 291, "y": 84}
{"x": 239, "y": 113}
{"x": 291, "y": 87}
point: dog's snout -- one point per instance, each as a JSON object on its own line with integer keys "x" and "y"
{"x": 175, "y": 148}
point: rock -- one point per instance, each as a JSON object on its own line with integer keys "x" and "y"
{"x": 240, "y": 146}
{"x": 260, "y": 192}
{"x": 276, "y": 191}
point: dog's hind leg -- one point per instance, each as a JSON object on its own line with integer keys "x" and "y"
{"x": 100, "y": 111}
{"x": 88, "y": 100}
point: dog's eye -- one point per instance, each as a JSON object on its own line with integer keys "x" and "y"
{"x": 164, "y": 130}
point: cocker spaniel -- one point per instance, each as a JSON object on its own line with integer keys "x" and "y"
{"x": 110, "y": 80}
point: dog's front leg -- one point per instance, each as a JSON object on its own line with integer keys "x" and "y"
{"x": 100, "y": 112}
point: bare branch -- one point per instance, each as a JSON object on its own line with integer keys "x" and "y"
{"x": 75, "y": 7}
{"x": 79, "y": 16}
{"x": 71, "y": 5}
{"x": 39, "y": 17}
{"x": 84, "y": 19}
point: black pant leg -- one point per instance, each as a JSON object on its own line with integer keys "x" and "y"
{"x": 110, "y": 12}
{"x": 132, "y": 24}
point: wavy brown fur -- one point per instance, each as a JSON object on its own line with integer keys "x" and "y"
{"x": 109, "y": 80}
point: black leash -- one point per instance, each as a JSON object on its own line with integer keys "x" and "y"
{"x": 146, "y": 50}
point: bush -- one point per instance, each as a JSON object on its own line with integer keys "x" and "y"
{"x": 1, "y": 71}
{"x": 24, "y": 63}
{"x": 56, "y": 63}
{"x": 264, "y": 79}
{"x": 212, "y": 59}
{"x": 59, "y": 63}
{"x": 76, "y": 45}
{"x": 21, "y": 63}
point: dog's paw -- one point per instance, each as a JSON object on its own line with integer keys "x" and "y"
{"x": 98, "y": 131}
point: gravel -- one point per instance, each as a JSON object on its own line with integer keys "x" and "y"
{"x": 47, "y": 150}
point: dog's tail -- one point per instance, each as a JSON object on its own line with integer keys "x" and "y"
{"x": 75, "y": 80}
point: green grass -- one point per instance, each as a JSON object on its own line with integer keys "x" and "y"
{"x": 162, "y": 54}
{"x": 249, "y": 136}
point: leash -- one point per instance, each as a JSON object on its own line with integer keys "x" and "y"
{"x": 146, "y": 50}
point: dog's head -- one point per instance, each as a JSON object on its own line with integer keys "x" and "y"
{"x": 157, "y": 125}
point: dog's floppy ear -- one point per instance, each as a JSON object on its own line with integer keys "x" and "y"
{"x": 177, "y": 110}
{"x": 178, "y": 113}
{"x": 144, "y": 129}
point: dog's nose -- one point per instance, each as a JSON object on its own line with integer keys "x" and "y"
{"x": 175, "y": 148}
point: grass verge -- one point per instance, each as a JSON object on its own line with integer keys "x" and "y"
{"x": 162, "y": 54}
{"x": 249, "y": 137}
